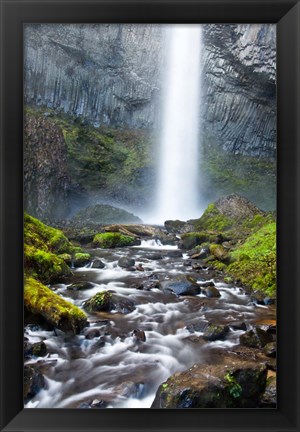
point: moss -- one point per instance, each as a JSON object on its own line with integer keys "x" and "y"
{"x": 112, "y": 240}
{"x": 213, "y": 220}
{"x": 218, "y": 251}
{"x": 81, "y": 259}
{"x": 255, "y": 260}
{"x": 45, "y": 251}
{"x": 193, "y": 239}
{"x": 41, "y": 300}
{"x": 101, "y": 301}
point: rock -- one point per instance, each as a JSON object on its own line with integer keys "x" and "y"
{"x": 126, "y": 262}
{"x": 81, "y": 259}
{"x": 81, "y": 286}
{"x": 235, "y": 384}
{"x": 211, "y": 291}
{"x": 198, "y": 326}
{"x": 139, "y": 267}
{"x": 102, "y": 214}
{"x": 256, "y": 338}
{"x": 238, "y": 325}
{"x": 41, "y": 301}
{"x": 270, "y": 349}
{"x": 109, "y": 240}
{"x": 219, "y": 252}
{"x": 100, "y": 302}
{"x": 206, "y": 284}
{"x": 100, "y": 404}
{"x": 191, "y": 240}
{"x": 92, "y": 333}
{"x": 269, "y": 399}
{"x": 215, "y": 332}
{"x": 34, "y": 381}
{"x": 140, "y": 335}
{"x": 181, "y": 285}
{"x": 38, "y": 349}
{"x": 154, "y": 256}
{"x": 149, "y": 284}
{"x": 202, "y": 254}
{"x": 174, "y": 254}
{"x": 98, "y": 264}
{"x": 175, "y": 226}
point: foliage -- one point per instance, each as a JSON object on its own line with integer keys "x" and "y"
{"x": 101, "y": 301}
{"x": 255, "y": 260}
{"x": 112, "y": 240}
{"x": 234, "y": 387}
{"x": 213, "y": 220}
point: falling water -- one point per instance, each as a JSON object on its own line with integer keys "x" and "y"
{"x": 178, "y": 171}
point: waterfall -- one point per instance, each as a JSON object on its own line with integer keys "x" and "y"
{"x": 177, "y": 192}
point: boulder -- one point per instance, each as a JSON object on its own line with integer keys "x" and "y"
{"x": 140, "y": 335}
{"x": 81, "y": 259}
{"x": 33, "y": 382}
{"x": 126, "y": 262}
{"x": 106, "y": 301}
{"x": 103, "y": 214}
{"x": 255, "y": 338}
{"x": 215, "y": 332}
{"x": 38, "y": 349}
{"x": 235, "y": 384}
{"x": 174, "y": 254}
{"x": 211, "y": 291}
{"x": 98, "y": 264}
{"x": 176, "y": 226}
{"x": 270, "y": 349}
{"x": 192, "y": 239}
{"x": 181, "y": 285}
{"x": 110, "y": 240}
{"x": 80, "y": 286}
{"x": 269, "y": 399}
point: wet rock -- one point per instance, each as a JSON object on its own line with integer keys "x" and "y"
{"x": 81, "y": 259}
{"x": 205, "y": 284}
{"x": 181, "y": 285}
{"x": 139, "y": 267}
{"x": 127, "y": 389}
{"x": 211, "y": 291}
{"x": 215, "y": 332}
{"x": 269, "y": 301}
{"x": 202, "y": 254}
{"x": 234, "y": 384}
{"x": 255, "y": 338}
{"x": 270, "y": 349}
{"x": 198, "y": 326}
{"x": 126, "y": 262}
{"x": 154, "y": 256}
{"x": 175, "y": 226}
{"x": 38, "y": 349}
{"x": 34, "y": 381}
{"x": 269, "y": 399}
{"x": 191, "y": 240}
{"x": 122, "y": 305}
{"x": 98, "y": 264}
{"x": 80, "y": 286}
{"x": 140, "y": 335}
{"x": 187, "y": 263}
{"x": 100, "y": 302}
{"x": 92, "y": 333}
{"x": 238, "y": 325}
{"x": 147, "y": 285}
{"x": 100, "y": 404}
{"x": 196, "y": 266}
{"x": 174, "y": 254}
{"x": 269, "y": 325}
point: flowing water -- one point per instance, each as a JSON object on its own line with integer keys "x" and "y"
{"x": 116, "y": 369}
{"x": 179, "y": 166}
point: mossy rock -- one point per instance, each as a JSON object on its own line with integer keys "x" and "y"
{"x": 81, "y": 259}
{"x": 47, "y": 252}
{"x": 255, "y": 260}
{"x": 114, "y": 239}
{"x": 100, "y": 302}
{"x": 192, "y": 239}
{"x": 41, "y": 301}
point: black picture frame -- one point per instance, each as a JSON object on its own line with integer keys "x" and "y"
{"x": 286, "y": 14}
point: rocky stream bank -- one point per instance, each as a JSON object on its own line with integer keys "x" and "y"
{"x": 180, "y": 316}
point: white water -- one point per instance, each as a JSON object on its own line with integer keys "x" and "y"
{"x": 179, "y": 163}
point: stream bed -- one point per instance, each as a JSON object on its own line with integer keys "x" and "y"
{"x": 120, "y": 360}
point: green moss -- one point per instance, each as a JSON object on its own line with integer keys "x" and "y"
{"x": 112, "y": 240}
{"x": 193, "y": 239}
{"x": 234, "y": 388}
{"x": 213, "y": 220}
{"x": 45, "y": 251}
{"x": 101, "y": 301}
{"x": 41, "y": 300}
{"x": 255, "y": 260}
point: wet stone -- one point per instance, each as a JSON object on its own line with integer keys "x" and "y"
{"x": 215, "y": 332}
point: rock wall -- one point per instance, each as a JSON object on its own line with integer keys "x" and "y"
{"x": 239, "y": 88}
{"x": 111, "y": 74}
{"x": 106, "y": 73}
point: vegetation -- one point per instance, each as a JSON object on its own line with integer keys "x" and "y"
{"x": 101, "y": 301}
{"x": 113, "y": 240}
{"x": 42, "y": 301}
{"x": 234, "y": 387}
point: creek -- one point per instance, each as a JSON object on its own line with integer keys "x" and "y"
{"x": 117, "y": 369}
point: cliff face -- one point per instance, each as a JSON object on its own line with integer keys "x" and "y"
{"x": 239, "y": 88}
{"x": 111, "y": 74}
{"x": 106, "y": 73}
